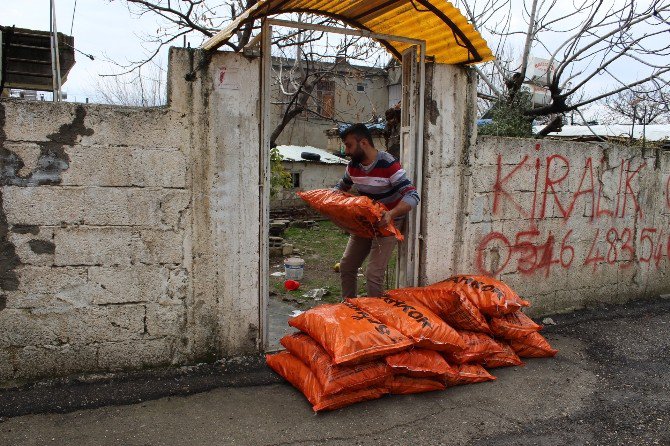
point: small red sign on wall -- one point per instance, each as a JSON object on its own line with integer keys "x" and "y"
{"x": 227, "y": 79}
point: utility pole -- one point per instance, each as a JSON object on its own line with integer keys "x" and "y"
{"x": 644, "y": 126}
{"x": 55, "y": 56}
{"x": 634, "y": 102}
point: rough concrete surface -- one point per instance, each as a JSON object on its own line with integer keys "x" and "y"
{"x": 608, "y": 385}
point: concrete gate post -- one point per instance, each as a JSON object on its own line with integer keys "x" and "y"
{"x": 449, "y": 133}
{"x": 222, "y": 97}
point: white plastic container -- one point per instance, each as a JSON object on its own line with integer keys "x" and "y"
{"x": 294, "y": 267}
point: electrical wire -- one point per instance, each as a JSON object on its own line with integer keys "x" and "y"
{"x": 73, "y": 11}
{"x": 79, "y": 51}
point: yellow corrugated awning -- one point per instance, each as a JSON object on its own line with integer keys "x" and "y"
{"x": 449, "y": 38}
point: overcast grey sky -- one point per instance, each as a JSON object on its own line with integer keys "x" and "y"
{"x": 103, "y": 29}
{"x": 107, "y": 30}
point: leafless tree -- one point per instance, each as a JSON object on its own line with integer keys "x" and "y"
{"x": 302, "y": 60}
{"x": 307, "y": 59}
{"x": 144, "y": 87}
{"x": 648, "y": 105}
{"x": 186, "y": 18}
{"x": 591, "y": 43}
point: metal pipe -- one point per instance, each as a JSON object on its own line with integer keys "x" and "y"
{"x": 486, "y": 80}
{"x": 55, "y": 56}
{"x": 418, "y": 181}
{"x": 264, "y": 185}
{"x": 339, "y": 30}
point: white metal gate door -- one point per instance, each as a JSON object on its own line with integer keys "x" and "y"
{"x": 411, "y": 158}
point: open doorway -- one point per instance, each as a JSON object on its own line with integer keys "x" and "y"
{"x": 318, "y": 242}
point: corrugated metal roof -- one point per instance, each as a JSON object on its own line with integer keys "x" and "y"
{"x": 293, "y": 153}
{"x": 448, "y": 35}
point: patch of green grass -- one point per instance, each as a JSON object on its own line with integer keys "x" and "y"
{"x": 321, "y": 247}
{"x": 325, "y": 240}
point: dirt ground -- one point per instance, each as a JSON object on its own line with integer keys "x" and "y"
{"x": 321, "y": 246}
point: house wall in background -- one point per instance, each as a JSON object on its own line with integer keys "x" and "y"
{"x": 312, "y": 176}
{"x": 350, "y": 105}
{"x": 94, "y": 230}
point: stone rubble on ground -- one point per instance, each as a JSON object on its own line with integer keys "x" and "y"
{"x": 316, "y": 293}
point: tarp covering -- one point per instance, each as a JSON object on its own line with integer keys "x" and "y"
{"x": 449, "y": 38}
{"x": 651, "y": 132}
{"x": 293, "y": 153}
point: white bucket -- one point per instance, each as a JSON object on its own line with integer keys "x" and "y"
{"x": 294, "y": 268}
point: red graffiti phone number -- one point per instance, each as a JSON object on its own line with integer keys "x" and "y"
{"x": 533, "y": 256}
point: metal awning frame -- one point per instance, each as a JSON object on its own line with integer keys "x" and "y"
{"x": 347, "y": 31}
{"x": 418, "y": 154}
{"x": 449, "y": 37}
{"x": 217, "y": 40}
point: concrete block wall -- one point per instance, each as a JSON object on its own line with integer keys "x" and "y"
{"x": 448, "y": 133}
{"x": 129, "y": 237}
{"x": 349, "y": 105}
{"x": 565, "y": 224}
{"x": 93, "y": 221}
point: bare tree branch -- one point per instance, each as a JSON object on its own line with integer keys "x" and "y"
{"x": 646, "y": 105}
{"x": 587, "y": 43}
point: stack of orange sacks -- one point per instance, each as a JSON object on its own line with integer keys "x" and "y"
{"x": 411, "y": 340}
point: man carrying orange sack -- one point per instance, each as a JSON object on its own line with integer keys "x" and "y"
{"x": 379, "y": 176}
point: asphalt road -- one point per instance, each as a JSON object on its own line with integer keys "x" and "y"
{"x": 608, "y": 385}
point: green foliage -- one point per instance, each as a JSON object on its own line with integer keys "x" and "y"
{"x": 280, "y": 178}
{"x": 509, "y": 119}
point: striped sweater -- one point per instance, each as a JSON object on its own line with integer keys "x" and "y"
{"x": 384, "y": 181}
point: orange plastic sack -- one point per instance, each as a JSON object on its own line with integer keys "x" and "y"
{"x": 491, "y": 296}
{"x": 348, "y": 334}
{"x": 421, "y": 363}
{"x": 335, "y": 378}
{"x": 506, "y": 358}
{"x": 415, "y": 321}
{"x": 405, "y": 385}
{"x": 513, "y": 326}
{"x": 478, "y": 347}
{"x": 471, "y": 374}
{"x": 358, "y": 215}
{"x": 454, "y": 308}
{"x": 533, "y": 345}
{"x": 302, "y": 378}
